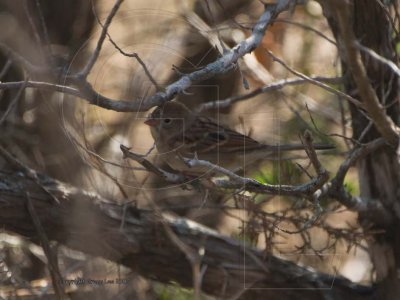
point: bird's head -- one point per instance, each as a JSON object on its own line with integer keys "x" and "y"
{"x": 170, "y": 118}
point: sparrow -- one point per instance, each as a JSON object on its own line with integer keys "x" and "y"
{"x": 180, "y": 134}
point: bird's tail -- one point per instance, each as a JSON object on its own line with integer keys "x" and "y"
{"x": 292, "y": 147}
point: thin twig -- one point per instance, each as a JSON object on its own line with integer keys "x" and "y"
{"x": 315, "y": 82}
{"x": 134, "y": 55}
{"x": 170, "y": 177}
{"x": 47, "y": 86}
{"x": 366, "y": 130}
{"x": 45, "y": 33}
{"x": 52, "y": 265}
{"x": 105, "y": 161}
{"x": 388, "y": 16}
{"x": 30, "y": 173}
{"x": 235, "y": 181}
{"x": 312, "y": 155}
{"x": 13, "y": 102}
{"x": 98, "y": 165}
{"x": 336, "y": 190}
{"x": 379, "y": 58}
{"x": 265, "y": 89}
{"x": 93, "y": 58}
{"x": 34, "y": 28}
{"x": 355, "y": 155}
{"x": 329, "y": 134}
{"x": 343, "y": 123}
{"x": 222, "y": 65}
{"x": 306, "y": 27}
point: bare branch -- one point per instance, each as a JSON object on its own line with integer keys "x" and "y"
{"x": 315, "y": 82}
{"x": 44, "y": 31}
{"x": 235, "y": 181}
{"x": 169, "y": 177}
{"x": 222, "y": 65}
{"x": 312, "y": 155}
{"x": 36, "y": 32}
{"x": 92, "y": 60}
{"x": 370, "y": 100}
{"x": 134, "y": 55}
{"x": 265, "y": 89}
{"x": 336, "y": 189}
{"x": 309, "y": 28}
{"x": 30, "y": 173}
{"x": 380, "y": 58}
{"x": 87, "y": 92}
{"x": 356, "y": 154}
{"x": 142, "y": 244}
{"x": 13, "y": 102}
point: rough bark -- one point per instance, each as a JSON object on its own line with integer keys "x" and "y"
{"x": 379, "y": 172}
{"x": 141, "y": 240}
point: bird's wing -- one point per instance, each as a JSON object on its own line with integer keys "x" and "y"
{"x": 204, "y": 135}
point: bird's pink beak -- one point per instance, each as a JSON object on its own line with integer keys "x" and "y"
{"x": 151, "y": 122}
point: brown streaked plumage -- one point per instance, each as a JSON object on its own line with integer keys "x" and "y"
{"x": 179, "y": 133}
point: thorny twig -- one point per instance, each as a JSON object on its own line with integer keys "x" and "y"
{"x": 235, "y": 181}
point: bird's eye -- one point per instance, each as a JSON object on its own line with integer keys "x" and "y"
{"x": 167, "y": 121}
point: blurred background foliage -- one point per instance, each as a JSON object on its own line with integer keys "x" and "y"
{"x": 78, "y": 143}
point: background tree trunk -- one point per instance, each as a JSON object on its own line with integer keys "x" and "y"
{"x": 379, "y": 172}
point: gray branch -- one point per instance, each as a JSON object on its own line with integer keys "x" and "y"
{"x": 84, "y": 90}
{"x": 238, "y": 182}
